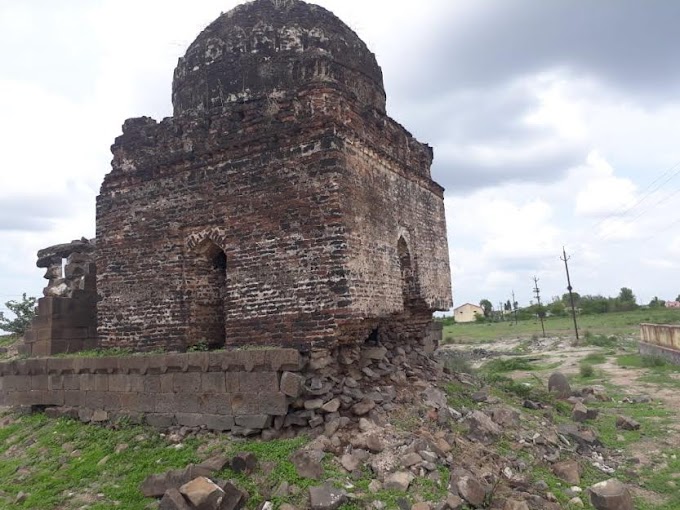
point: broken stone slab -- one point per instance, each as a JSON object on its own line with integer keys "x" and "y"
{"x": 331, "y": 406}
{"x": 398, "y": 481}
{"x": 325, "y": 497}
{"x": 610, "y": 495}
{"x": 46, "y": 256}
{"x": 411, "y": 459}
{"x": 480, "y": 396}
{"x": 530, "y": 404}
{"x": 584, "y": 437}
{"x": 558, "y": 384}
{"x": 505, "y": 416}
{"x": 202, "y": 493}
{"x": 482, "y": 427}
{"x": 155, "y": 486}
{"x": 213, "y": 465}
{"x": 373, "y": 442}
{"x": 313, "y": 404}
{"x": 468, "y": 487}
{"x": 513, "y": 504}
{"x": 576, "y": 502}
{"x": 568, "y": 471}
{"x": 350, "y": 462}
{"x": 243, "y": 462}
{"x": 363, "y": 407}
{"x": 579, "y": 413}
{"x": 173, "y": 500}
{"x": 452, "y": 502}
{"x": 626, "y": 423}
{"x": 291, "y": 384}
{"x": 308, "y": 463}
{"x": 374, "y": 353}
{"x": 234, "y": 498}
{"x": 434, "y": 397}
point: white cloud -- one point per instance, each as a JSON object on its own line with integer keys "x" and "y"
{"x": 536, "y": 154}
{"x": 603, "y": 192}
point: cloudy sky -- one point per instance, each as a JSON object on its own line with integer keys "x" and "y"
{"x": 553, "y": 123}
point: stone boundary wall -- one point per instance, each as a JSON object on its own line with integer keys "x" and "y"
{"x": 221, "y": 390}
{"x": 671, "y": 355}
{"x": 663, "y": 335}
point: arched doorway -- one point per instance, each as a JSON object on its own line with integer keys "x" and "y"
{"x": 409, "y": 281}
{"x": 208, "y": 296}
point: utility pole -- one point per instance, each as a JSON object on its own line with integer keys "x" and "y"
{"x": 569, "y": 288}
{"x": 500, "y": 311}
{"x": 538, "y": 299}
{"x": 514, "y": 306}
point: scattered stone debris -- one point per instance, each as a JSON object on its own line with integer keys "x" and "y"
{"x": 625, "y": 423}
{"x": 569, "y": 471}
{"x": 326, "y": 497}
{"x": 610, "y": 495}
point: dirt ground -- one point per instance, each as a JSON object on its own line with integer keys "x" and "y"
{"x": 656, "y": 452}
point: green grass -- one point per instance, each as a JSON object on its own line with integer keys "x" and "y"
{"x": 48, "y": 472}
{"x": 659, "y": 371}
{"x": 594, "y": 358}
{"x": 501, "y": 365}
{"x": 618, "y": 323}
{"x": 6, "y": 340}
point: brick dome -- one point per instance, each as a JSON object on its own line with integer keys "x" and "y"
{"x": 269, "y": 46}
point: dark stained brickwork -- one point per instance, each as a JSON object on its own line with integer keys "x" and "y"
{"x": 291, "y": 212}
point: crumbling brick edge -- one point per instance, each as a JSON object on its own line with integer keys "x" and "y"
{"x": 240, "y": 390}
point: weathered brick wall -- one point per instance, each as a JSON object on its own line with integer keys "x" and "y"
{"x": 269, "y": 210}
{"x": 223, "y": 390}
{"x": 383, "y": 206}
{"x": 268, "y": 200}
{"x": 285, "y": 195}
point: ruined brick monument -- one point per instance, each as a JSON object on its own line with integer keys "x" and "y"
{"x": 279, "y": 207}
{"x": 67, "y": 316}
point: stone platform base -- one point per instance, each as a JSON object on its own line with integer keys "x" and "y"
{"x": 671, "y": 355}
{"x": 221, "y": 390}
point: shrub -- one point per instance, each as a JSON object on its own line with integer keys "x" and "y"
{"x": 508, "y": 365}
{"x": 587, "y": 370}
{"x": 24, "y": 311}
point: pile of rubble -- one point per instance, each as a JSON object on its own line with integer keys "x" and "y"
{"x": 378, "y": 414}
{"x": 194, "y": 488}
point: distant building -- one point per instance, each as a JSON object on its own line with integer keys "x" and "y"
{"x": 467, "y": 312}
{"x": 672, "y": 304}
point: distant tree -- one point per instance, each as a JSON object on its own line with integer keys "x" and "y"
{"x": 507, "y": 306}
{"x": 594, "y": 304}
{"x": 24, "y": 311}
{"x": 541, "y": 311}
{"x": 626, "y": 295}
{"x": 624, "y": 302}
{"x": 557, "y": 308}
{"x": 566, "y": 301}
{"x": 657, "y": 303}
{"x": 678, "y": 298}
{"x": 487, "y": 307}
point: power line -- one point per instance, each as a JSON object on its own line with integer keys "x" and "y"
{"x": 569, "y": 288}
{"x": 538, "y": 299}
{"x": 647, "y": 192}
{"x": 632, "y": 221}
